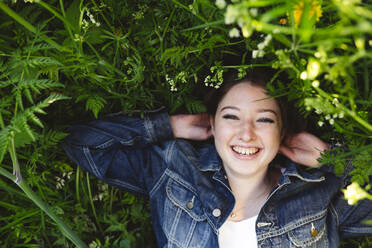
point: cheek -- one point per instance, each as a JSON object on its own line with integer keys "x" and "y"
{"x": 222, "y": 133}
{"x": 272, "y": 137}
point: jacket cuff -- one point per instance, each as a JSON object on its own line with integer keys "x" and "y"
{"x": 158, "y": 126}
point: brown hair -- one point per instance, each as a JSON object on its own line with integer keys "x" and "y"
{"x": 292, "y": 121}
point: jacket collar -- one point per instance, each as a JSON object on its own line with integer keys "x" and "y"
{"x": 295, "y": 171}
{"x": 209, "y": 160}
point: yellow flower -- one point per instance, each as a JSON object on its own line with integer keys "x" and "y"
{"x": 354, "y": 193}
{"x": 314, "y": 12}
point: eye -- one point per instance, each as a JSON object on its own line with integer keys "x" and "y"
{"x": 230, "y": 117}
{"x": 266, "y": 120}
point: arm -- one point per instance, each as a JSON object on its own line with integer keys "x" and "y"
{"x": 305, "y": 148}
{"x": 129, "y": 152}
{"x": 126, "y": 152}
{"x": 193, "y": 127}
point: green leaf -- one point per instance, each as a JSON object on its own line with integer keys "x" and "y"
{"x": 4, "y": 142}
{"x": 23, "y": 138}
{"x": 95, "y": 104}
{"x": 73, "y": 15}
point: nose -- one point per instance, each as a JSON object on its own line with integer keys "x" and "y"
{"x": 247, "y": 132}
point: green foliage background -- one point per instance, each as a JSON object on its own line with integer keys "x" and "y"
{"x": 62, "y": 62}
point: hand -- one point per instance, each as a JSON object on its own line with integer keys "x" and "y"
{"x": 193, "y": 127}
{"x": 303, "y": 148}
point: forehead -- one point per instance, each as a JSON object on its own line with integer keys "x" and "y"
{"x": 246, "y": 95}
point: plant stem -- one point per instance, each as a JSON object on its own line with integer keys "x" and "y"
{"x": 17, "y": 178}
{"x": 91, "y": 203}
{"x": 346, "y": 110}
{"x": 67, "y": 232}
{"x": 16, "y": 168}
{"x": 43, "y": 206}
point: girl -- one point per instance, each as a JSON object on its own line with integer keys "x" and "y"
{"x": 232, "y": 193}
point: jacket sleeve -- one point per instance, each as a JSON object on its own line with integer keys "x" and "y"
{"x": 127, "y": 152}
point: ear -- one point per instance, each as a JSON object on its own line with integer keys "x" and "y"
{"x": 211, "y": 123}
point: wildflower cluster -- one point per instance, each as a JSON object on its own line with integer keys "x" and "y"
{"x": 217, "y": 78}
{"x": 61, "y": 180}
{"x": 259, "y": 53}
{"x": 283, "y": 61}
{"x": 179, "y": 78}
{"x": 312, "y": 71}
{"x": 102, "y": 192}
{"x": 85, "y": 23}
{"x": 241, "y": 14}
{"x": 140, "y": 14}
{"x": 328, "y": 110}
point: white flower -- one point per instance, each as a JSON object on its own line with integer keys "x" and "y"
{"x": 313, "y": 68}
{"x": 220, "y": 4}
{"x": 341, "y": 114}
{"x": 315, "y": 84}
{"x": 261, "y": 46}
{"x": 303, "y": 75}
{"x": 331, "y": 121}
{"x": 234, "y": 33}
{"x": 354, "y": 193}
{"x": 268, "y": 39}
{"x": 207, "y": 79}
{"x": 231, "y": 14}
{"x": 320, "y": 123}
{"x": 254, "y": 12}
{"x": 327, "y": 117}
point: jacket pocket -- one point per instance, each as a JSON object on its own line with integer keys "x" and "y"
{"x": 185, "y": 223}
{"x": 311, "y": 232}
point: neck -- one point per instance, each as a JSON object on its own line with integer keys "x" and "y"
{"x": 250, "y": 193}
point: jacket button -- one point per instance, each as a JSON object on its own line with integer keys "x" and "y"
{"x": 190, "y": 205}
{"x": 216, "y": 212}
{"x": 314, "y": 232}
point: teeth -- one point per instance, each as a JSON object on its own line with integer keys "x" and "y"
{"x": 245, "y": 151}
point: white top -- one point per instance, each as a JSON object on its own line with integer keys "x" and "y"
{"x": 238, "y": 234}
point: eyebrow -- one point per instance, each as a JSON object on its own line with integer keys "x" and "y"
{"x": 267, "y": 110}
{"x": 258, "y": 111}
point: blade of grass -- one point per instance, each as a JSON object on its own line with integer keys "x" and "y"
{"x": 91, "y": 203}
{"x": 29, "y": 26}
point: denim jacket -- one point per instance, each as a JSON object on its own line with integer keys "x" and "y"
{"x": 189, "y": 194}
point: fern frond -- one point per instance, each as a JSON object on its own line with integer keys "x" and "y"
{"x": 52, "y": 137}
{"x": 49, "y": 100}
{"x": 38, "y": 47}
{"x": 3, "y": 70}
{"x": 95, "y": 104}
{"x": 37, "y": 84}
{"x": 195, "y": 106}
{"x": 6, "y": 83}
{"x": 42, "y": 62}
{"x": 30, "y": 115}
{"x": 19, "y": 124}
{"x": 23, "y": 138}
{"x": 5, "y": 102}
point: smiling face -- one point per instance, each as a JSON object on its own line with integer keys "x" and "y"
{"x": 247, "y": 130}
